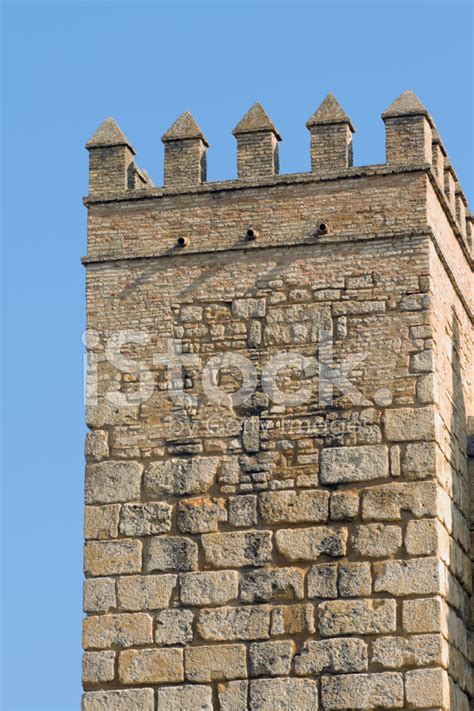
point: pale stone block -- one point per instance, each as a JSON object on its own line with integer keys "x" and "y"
{"x": 243, "y": 511}
{"x": 283, "y": 694}
{"x": 233, "y": 696}
{"x": 416, "y": 651}
{"x": 428, "y": 615}
{"x": 271, "y": 658}
{"x": 109, "y": 482}
{"x": 294, "y": 507}
{"x": 362, "y": 691}
{"x": 420, "y": 460}
{"x": 99, "y": 594}
{"x": 145, "y": 592}
{"x": 344, "y": 505}
{"x": 125, "y": 630}
{"x": 209, "y": 587}
{"x": 419, "y": 576}
{"x": 310, "y": 543}
{"x": 171, "y": 553}
{"x": 185, "y": 698}
{"x": 427, "y": 687}
{"x": 332, "y": 656}
{"x": 201, "y": 514}
{"x": 101, "y": 521}
{"x": 124, "y": 700}
{"x": 178, "y": 476}
{"x": 388, "y": 501}
{"x": 408, "y": 423}
{"x": 292, "y": 619}
{"x": 174, "y": 627}
{"x": 427, "y": 537}
{"x": 145, "y": 519}
{"x": 376, "y": 540}
{"x": 355, "y": 580}
{"x": 98, "y": 667}
{"x": 346, "y": 464}
{"x": 248, "y": 308}
{"x": 343, "y": 617}
{"x": 322, "y": 580}
{"x": 150, "y": 666}
{"x": 236, "y": 549}
{"x": 97, "y": 444}
{"x": 274, "y": 584}
{"x": 229, "y": 623}
{"x": 215, "y": 663}
{"x": 112, "y": 557}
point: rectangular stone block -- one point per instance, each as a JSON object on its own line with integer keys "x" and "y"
{"x": 182, "y": 698}
{"x": 243, "y": 511}
{"x": 280, "y": 694}
{"x": 362, "y": 691}
{"x": 355, "y": 580}
{"x": 346, "y": 464}
{"x": 124, "y": 700}
{"x": 233, "y": 696}
{"x": 426, "y": 615}
{"x": 376, "y": 540}
{"x": 292, "y": 619}
{"x": 410, "y": 423}
{"x": 331, "y": 656}
{"x": 293, "y": 506}
{"x": 98, "y": 667}
{"x": 428, "y": 537}
{"x": 237, "y": 549}
{"x": 272, "y": 584}
{"x": 112, "y": 557}
{"x": 309, "y": 543}
{"x": 201, "y": 514}
{"x": 179, "y": 476}
{"x": 215, "y": 663}
{"x": 150, "y": 666}
{"x": 271, "y": 658}
{"x": 229, "y": 623}
{"x": 174, "y": 627}
{"x": 101, "y": 522}
{"x": 344, "y": 505}
{"x": 322, "y": 580}
{"x": 422, "y": 650}
{"x": 343, "y": 617}
{"x": 209, "y": 587}
{"x": 427, "y": 687}
{"x": 99, "y": 595}
{"x": 421, "y": 576}
{"x": 145, "y": 519}
{"x": 145, "y": 592}
{"x": 386, "y": 503}
{"x": 109, "y": 482}
{"x": 171, "y": 553}
{"x": 125, "y": 630}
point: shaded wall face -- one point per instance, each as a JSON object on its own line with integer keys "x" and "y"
{"x": 274, "y": 509}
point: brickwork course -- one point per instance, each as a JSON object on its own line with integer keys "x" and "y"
{"x": 281, "y": 550}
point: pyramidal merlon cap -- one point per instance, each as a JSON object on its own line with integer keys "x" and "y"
{"x": 255, "y": 120}
{"x": 108, "y": 134}
{"x": 184, "y": 127}
{"x": 330, "y": 111}
{"x": 407, "y": 104}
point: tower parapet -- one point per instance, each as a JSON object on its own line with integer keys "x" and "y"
{"x": 257, "y": 145}
{"x": 331, "y": 137}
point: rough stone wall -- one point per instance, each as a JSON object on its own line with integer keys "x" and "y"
{"x": 279, "y": 552}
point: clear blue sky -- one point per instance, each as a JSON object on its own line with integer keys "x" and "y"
{"x": 69, "y": 65}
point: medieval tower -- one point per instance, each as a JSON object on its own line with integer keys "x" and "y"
{"x": 280, "y": 409}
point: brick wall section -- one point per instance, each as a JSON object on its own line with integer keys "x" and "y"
{"x": 261, "y": 556}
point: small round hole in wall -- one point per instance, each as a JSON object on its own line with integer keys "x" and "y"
{"x": 182, "y": 241}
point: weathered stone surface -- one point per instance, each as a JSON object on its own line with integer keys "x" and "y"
{"x": 294, "y": 507}
{"x": 407, "y": 423}
{"x": 420, "y": 460}
{"x": 236, "y": 549}
{"x": 341, "y": 617}
{"x": 124, "y": 700}
{"x": 229, "y": 623}
{"x": 126, "y": 630}
{"x": 98, "y": 667}
{"x": 362, "y": 691}
{"x": 233, "y": 696}
{"x": 310, "y": 543}
{"x": 99, "y": 594}
{"x": 97, "y": 444}
{"x": 346, "y": 464}
{"x": 150, "y": 666}
{"x": 419, "y": 650}
{"x": 331, "y": 655}
{"x": 180, "y": 476}
{"x": 112, "y": 557}
{"x": 355, "y": 580}
{"x": 292, "y": 619}
{"x": 174, "y": 627}
{"x": 322, "y": 580}
{"x": 275, "y": 584}
{"x": 145, "y": 519}
{"x": 215, "y": 663}
{"x": 171, "y": 553}
{"x": 283, "y": 694}
{"x": 101, "y": 521}
{"x": 386, "y": 503}
{"x": 344, "y": 505}
{"x": 243, "y": 511}
{"x": 109, "y": 482}
{"x": 421, "y": 576}
{"x": 375, "y": 540}
{"x": 145, "y": 592}
{"x": 201, "y": 514}
{"x": 426, "y": 615}
{"x": 182, "y": 698}
{"x": 271, "y": 658}
{"x": 427, "y": 687}
{"x": 209, "y": 587}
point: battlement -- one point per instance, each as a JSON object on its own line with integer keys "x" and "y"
{"x": 412, "y": 142}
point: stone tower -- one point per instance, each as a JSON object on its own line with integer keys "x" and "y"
{"x": 279, "y": 402}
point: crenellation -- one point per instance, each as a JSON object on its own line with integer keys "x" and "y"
{"x": 278, "y": 464}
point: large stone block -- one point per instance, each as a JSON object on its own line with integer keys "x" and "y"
{"x": 322, "y": 580}
{"x": 229, "y": 623}
{"x": 171, "y": 553}
{"x": 145, "y": 519}
{"x": 410, "y": 423}
{"x": 331, "y": 656}
{"x": 184, "y": 698}
{"x": 310, "y": 543}
{"x": 99, "y": 595}
{"x": 123, "y": 700}
{"x": 150, "y": 666}
{"x": 112, "y": 557}
{"x": 145, "y": 592}
{"x": 427, "y": 687}
{"x": 101, "y": 521}
{"x": 292, "y": 620}
{"x": 343, "y": 617}
{"x": 376, "y": 540}
{"x": 237, "y": 549}
{"x": 386, "y": 503}
{"x": 215, "y": 663}
{"x": 233, "y": 696}
{"x": 293, "y": 506}
{"x": 274, "y": 584}
{"x": 98, "y": 667}
{"x": 209, "y": 587}
{"x": 125, "y": 630}
{"x": 416, "y": 651}
{"x": 362, "y": 691}
{"x": 109, "y": 482}
{"x": 201, "y": 514}
{"x": 419, "y": 576}
{"x": 271, "y": 658}
{"x": 346, "y": 464}
{"x": 179, "y": 476}
{"x": 283, "y": 694}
